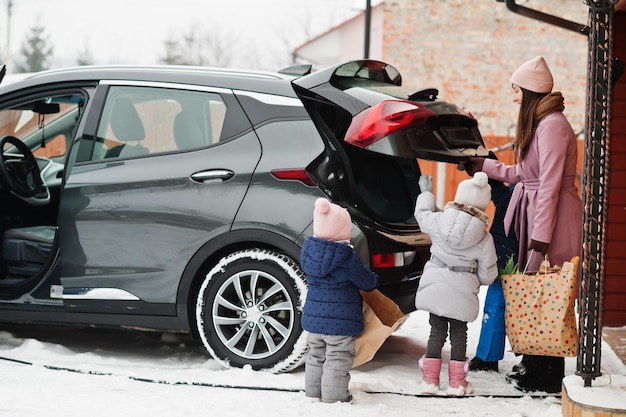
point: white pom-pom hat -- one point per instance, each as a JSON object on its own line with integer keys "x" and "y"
{"x": 475, "y": 191}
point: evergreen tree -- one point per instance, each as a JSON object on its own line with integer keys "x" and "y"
{"x": 34, "y": 53}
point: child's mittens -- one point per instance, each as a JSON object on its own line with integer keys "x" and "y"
{"x": 426, "y": 183}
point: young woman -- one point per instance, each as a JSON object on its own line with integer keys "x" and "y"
{"x": 545, "y": 210}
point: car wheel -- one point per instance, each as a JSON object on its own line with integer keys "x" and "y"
{"x": 248, "y": 311}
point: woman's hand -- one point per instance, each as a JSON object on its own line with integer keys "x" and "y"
{"x": 537, "y": 246}
{"x": 473, "y": 165}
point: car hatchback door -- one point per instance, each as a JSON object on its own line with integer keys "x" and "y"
{"x": 375, "y": 129}
{"x": 372, "y": 110}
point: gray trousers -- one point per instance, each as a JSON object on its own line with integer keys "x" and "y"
{"x": 439, "y": 334}
{"x": 327, "y": 368}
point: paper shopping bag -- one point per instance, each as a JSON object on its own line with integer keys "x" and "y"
{"x": 382, "y": 317}
{"x": 540, "y": 317}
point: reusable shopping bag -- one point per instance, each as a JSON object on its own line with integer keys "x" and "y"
{"x": 540, "y": 317}
{"x": 382, "y": 317}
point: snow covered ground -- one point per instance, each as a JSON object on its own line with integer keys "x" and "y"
{"x": 70, "y": 372}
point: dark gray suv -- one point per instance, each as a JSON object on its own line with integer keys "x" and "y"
{"x": 177, "y": 198}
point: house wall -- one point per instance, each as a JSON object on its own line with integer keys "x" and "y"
{"x": 467, "y": 49}
{"x": 344, "y": 42}
{"x": 615, "y": 269}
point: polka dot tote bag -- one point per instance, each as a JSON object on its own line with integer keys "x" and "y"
{"x": 540, "y": 317}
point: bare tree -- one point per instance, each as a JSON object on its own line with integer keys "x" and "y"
{"x": 197, "y": 47}
{"x": 84, "y": 56}
{"x": 309, "y": 21}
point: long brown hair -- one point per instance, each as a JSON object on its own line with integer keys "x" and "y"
{"x": 526, "y": 122}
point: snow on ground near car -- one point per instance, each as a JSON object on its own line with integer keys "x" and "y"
{"x": 71, "y": 372}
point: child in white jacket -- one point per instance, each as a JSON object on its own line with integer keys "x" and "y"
{"x": 463, "y": 257}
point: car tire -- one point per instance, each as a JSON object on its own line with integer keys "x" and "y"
{"x": 249, "y": 308}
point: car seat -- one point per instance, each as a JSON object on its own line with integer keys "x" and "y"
{"x": 187, "y": 131}
{"x": 127, "y": 127}
{"x": 25, "y": 250}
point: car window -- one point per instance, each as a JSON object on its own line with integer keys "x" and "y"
{"x": 45, "y": 124}
{"x": 138, "y": 121}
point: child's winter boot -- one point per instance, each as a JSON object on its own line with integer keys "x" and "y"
{"x": 458, "y": 385}
{"x": 431, "y": 367}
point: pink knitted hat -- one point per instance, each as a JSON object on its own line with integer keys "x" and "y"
{"x": 534, "y": 75}
{"x": 331, "y": 222}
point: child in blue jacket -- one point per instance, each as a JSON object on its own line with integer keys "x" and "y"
{"x": 333, "y": 310}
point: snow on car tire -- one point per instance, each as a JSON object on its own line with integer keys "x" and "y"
{"x": 248, "y": 311}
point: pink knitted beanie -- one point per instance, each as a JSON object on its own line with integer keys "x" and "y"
{"x": 534, "y": 75}
{"x": 331, "y": 222}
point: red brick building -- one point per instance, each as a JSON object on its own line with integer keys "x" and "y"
{"x": 615, "y": 269}
{"x": 467, "y": 49}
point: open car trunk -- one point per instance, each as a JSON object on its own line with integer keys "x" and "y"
{"x": 375, "y": 130}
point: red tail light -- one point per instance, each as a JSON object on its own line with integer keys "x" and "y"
{"x": 383, "y": 119}
{"x": 294, "y": 175}
{"x": 391, "y": 259}
{"x": 383, "y": 260}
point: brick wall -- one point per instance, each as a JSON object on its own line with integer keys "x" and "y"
{"x": 615, "y": 269}
{"x": 469, "y": 48}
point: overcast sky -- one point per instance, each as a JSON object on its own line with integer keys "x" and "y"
{"x": 262, "y": 32}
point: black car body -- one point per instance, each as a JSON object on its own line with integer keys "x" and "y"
{"x": 177, "y": 198}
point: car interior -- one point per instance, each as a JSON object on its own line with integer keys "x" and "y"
{"x": 28, "y": 219}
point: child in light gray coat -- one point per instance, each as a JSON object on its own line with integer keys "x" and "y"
{"x": 463, "y": 257}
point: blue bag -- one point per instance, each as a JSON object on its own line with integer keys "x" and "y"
{"x": 492, "y": 332}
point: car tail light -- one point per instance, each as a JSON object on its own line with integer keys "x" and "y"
{"x": 383, "y": 119}
{"x": 392, "y": 260}
{"x": 298, "y": 174}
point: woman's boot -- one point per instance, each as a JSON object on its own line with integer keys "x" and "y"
{"x": 529, "y": 363}
{"x": 477, "y": 364}
{"x": 457, "y": 374}
{"x": 431, "y": 368}
{"x": 548, "y": 377}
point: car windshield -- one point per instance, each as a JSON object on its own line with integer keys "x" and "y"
{"x": 44, "y": 125}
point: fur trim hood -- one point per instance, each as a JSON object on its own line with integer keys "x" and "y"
{"x": 471, "y": 210}
{"x": 462, "y": 226}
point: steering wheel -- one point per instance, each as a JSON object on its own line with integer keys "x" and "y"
{"x": 20, "y": 175}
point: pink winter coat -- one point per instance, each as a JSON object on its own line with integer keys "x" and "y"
{"x": 545, "y": 205}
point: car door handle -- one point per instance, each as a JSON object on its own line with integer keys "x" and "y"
{"x": 213, "y": 175}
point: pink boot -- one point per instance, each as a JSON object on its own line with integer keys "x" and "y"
{"x": 431, "y": 367}
{"x": 457, "y": 372}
